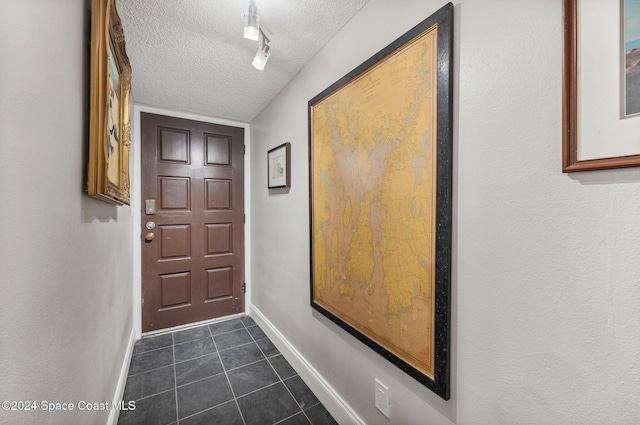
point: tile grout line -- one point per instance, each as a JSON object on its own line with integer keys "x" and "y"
{"x": 199, "y": 380}
{"x": 293, "y": 397}
{"x": 149, "y": 351}
{"x": 235, "y": 346}
{"x": 211, "y": 335}
{"x": 206, "y": 410}
{"x": 150, "y": 370}
{"x": 260, "y": 389}
{"x": 305, "y": 413}
{"x": 289, "y": 417}
{"x": 281, "y": 380}
{"x": 175, "y": 379}
{"x": 235, "y": 399}
{"x": 254, "y": 341}
{"x": 196, "y": 358}
{"x": 152, "y": 395}
{"x": 240, "y": 367}
{"x": 313, "y": 405}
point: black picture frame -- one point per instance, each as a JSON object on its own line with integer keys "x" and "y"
{"x": 279, "y": 166}
{"x": 439, "y": 383}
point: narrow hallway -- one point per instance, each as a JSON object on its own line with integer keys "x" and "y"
{"x": 225, "y": 373}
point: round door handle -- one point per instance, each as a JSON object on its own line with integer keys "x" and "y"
{"x": 149, "y": 237}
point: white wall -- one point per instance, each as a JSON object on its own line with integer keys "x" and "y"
{"x": 546, "y": 277}
{"x": 65, "y": 258}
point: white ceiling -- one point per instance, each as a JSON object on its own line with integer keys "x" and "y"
{"x": 190, "y": 55}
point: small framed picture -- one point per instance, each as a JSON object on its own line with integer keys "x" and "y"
{"x": 279, "y": 166}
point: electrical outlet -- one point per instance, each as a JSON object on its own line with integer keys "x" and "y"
{"x": 382, "y": 398}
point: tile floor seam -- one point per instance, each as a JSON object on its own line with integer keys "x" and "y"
{"x": 292, "y": 396}
{"x": 313, "y": 405}
{"x": 296, "y": 400}
{"x": 307, "y": 416}
{"x": 147, "y": 352}
{"x": 149, "y": 338}
{"x": 289, "y": 417}
{"x": 147, "y": 371}
{"x": 244, "y": 324}
{"x": 261, "y": 350}
{"x": 287, "y": 388}
{"x": 260, "y": 389}
{"x": 196, "y": 358}
{"x": 235, "y": 346}
{"x": 233, "y": 393}
{"x": 224, "y": 332}
{"x": 274, "y": 369}
{"x": 207, "y": 409}
{"x": 304, "y": 412}
{"x": 175, "y": 378}
{"x": 248, "y": 364}
{"x": 152, "y": 395}
{"x": 193, "y": 340}
{"x": 228, "y": 332}
{"x": 198, "y": 380}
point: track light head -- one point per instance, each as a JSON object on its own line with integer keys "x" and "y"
{"x": 262, "y": 56}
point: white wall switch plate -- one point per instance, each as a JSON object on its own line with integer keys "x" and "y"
{"x": 382, "y": 398}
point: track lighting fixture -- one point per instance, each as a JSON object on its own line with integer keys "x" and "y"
{"x": 263, "y": 53}
{"x": 252, "y": 31}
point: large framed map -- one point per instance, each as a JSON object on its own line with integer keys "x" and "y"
{"x": 380, "y": 146}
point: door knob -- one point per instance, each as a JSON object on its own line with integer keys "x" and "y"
{"x": 149, "y": 237}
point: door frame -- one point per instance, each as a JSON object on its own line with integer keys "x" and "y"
{"x": 136, "y": 203}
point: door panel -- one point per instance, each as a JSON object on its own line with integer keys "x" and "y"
{"x": 193, "y": 268}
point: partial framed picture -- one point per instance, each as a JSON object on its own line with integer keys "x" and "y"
{"x": 631, "y": 31}
{"x": 279, "y": 166}
{"x": 380, "y": 142}
{"x": 109, "y": 116}
{"x": 601, "y": 85}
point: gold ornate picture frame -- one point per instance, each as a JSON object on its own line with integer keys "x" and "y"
{"x": 109, "y": 116}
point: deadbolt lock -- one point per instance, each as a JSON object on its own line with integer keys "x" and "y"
{"x": 150, "y": 206}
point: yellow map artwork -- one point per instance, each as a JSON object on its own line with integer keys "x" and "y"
{"x": 373, "y": 195}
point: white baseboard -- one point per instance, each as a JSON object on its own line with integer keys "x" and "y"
{"x": 336, "y": 405}
{"x": 122, "y": 379}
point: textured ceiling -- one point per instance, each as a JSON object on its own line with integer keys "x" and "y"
{"x": 191, "y": 55}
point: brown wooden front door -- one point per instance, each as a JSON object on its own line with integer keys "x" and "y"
{"x": 193, "y": 244}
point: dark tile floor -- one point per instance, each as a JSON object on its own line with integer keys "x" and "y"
{"x": 226, "y": 373}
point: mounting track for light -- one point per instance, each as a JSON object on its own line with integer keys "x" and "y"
{"x": 252, "y": 25}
